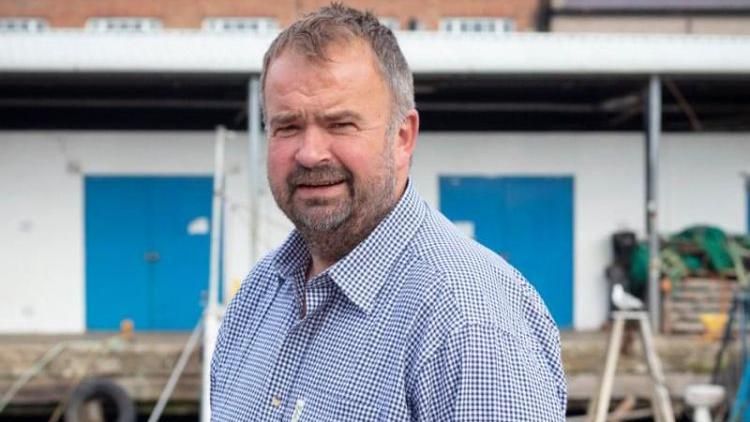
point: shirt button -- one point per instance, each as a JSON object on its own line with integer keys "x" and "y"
{"x": 276, "y": 402}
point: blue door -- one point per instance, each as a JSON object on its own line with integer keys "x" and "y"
{"x": 147, "y": 251}
{"x": 526, "y": 220}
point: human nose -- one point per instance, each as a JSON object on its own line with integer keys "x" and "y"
{"x": 314, "y": 148}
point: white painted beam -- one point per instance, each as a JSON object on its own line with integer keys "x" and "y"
{"x": 427, "y": 53}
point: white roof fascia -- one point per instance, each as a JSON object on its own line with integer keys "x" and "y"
{"x": 165, "y": 51}
{"x": 173, "y": 51}
{"x": 552, "y": 53}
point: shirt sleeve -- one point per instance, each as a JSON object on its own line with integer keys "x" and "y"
{"x": 482, "y": 373}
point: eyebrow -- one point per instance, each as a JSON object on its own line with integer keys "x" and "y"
{"x": 340, "y": 115}
{"x": 284, "y": 119}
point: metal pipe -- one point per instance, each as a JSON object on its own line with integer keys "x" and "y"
{"x": 211, "y": 314}
{"x": 652, "y": 179}
{"x": 216, "y": 219}
{"x": 253, "y": 168}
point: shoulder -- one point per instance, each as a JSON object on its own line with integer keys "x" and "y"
{"x": 474, "y": 296}
{"x": 481, "y": 285}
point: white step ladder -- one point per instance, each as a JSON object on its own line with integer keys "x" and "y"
{"x": 599, "y": 404}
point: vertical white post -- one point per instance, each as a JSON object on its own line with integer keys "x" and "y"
{"x": 253, "y": 170}
{"x": 212, "y": 312}
{"x": 652, "y": 182}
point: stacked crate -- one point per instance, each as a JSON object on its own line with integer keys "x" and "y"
{"x": 690, "y": 298}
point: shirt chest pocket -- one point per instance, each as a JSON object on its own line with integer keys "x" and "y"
{"x": 322, "y": 407}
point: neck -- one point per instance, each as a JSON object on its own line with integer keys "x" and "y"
{"x": 317, "y": 266}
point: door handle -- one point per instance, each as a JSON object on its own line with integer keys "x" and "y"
{"x": 151, "y": 256}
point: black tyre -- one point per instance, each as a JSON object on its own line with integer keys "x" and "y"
{"x": 115, "y": 402}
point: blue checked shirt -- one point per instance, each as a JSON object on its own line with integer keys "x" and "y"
{"x": 417, "y": 323}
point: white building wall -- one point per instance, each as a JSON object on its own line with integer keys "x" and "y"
{"x": 41, "y": 185}
{"x": 41, "y": 270}
{"x": 42, "y": 258}
{"x": 703, "y": 181}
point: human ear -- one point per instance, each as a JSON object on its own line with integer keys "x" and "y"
{"x": 406, "y": 139}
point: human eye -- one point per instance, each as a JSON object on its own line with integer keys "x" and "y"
{"x": 286, "y": 130}
{"x": 343, "y": 127}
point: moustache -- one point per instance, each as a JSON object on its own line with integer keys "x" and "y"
{"x": 318, "y": 176}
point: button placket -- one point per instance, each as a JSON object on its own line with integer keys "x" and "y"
{"x": 287, "y": 364}
{"x": 316, "y": 292}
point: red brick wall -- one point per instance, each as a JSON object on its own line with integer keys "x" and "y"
{"x": 189, "y": 13}
{"x": 429, "y": 12}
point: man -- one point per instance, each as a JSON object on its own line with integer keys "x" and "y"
{"x": 375, "y": 307}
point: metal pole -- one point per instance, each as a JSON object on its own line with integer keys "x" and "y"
{"x": 177, "y": 371}
{"x": 743, "y": 329}
{"x": 253, "y": 169}
{"x": 211, "y": 314}
{"x": 652, "y": 179}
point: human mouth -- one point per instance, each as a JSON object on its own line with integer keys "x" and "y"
{"x": 320, "y": 188}
{"x": 319, "y": 183}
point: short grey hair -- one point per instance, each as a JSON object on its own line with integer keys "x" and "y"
{"x": 315, "y": 32}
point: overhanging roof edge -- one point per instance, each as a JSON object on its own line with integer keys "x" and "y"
{"x": 427, "y": 52}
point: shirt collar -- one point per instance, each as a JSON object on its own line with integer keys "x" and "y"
{"x": 362, "y": 272}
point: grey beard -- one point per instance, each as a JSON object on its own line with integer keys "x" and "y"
{"x": 328, "y": 223}
{"x": 334, "y": 237}
{"x": 334, "y": 242}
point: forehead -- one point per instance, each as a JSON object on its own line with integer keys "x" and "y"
{"x": 349, "y": 68}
